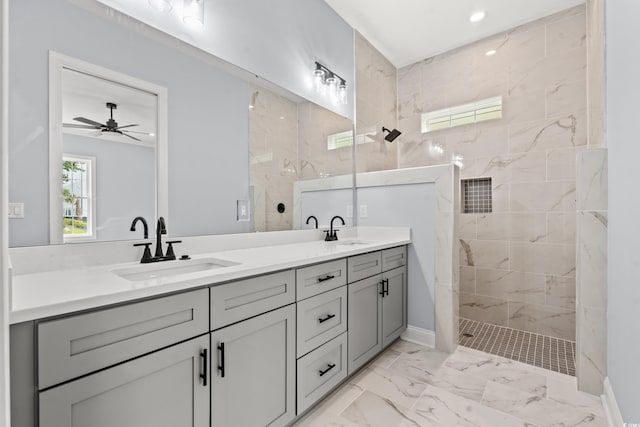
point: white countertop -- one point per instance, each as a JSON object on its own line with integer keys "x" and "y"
{"x": 51, "y": 293}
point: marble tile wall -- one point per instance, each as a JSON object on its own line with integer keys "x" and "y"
{"x": 596, "y": 72}
{"x": 518, "y": 264}
{"x": 273, "y": 153}
{"x": 376, "y": 80}
{"x": 592, "y": 211}
{"x": 288, "y": 142}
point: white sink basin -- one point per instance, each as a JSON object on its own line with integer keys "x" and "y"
{"x": 170, "y": 268}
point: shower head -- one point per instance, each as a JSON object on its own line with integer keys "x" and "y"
{"x": 393, "y": 134}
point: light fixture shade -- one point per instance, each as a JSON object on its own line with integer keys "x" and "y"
{"x": 193, "y": 13}
{"x": 342, "y": 92}
{"x": 318, "y": 79}
{"x": 161, "y": 5}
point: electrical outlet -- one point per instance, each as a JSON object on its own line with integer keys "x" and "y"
{"x": 364, "y": 211}
{"x": 243, "y": 210}
{"x": 16, "y": 210}
{"x": 349, "y": 211}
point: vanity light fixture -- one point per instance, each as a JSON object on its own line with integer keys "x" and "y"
{"x": 477, "y": 16}
{"x": 161, "y": 5}
{"x": 193, "y": 13}
{"x": 326, "y": 80}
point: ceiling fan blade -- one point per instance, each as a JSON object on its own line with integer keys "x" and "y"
{"x": 132, "y": 137}
{"x": 71, "y": 125}
{"x": 127, "y": 126}
{"x": 89, "y": 122}
{"x": 141, "y": 133}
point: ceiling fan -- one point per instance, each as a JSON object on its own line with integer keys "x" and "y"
{"x": 109, "y": 126}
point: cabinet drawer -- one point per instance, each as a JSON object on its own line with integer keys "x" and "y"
{"x": 394, "y": 258}
{"x": 320, "y": 278}
{"x": 321, "y": 318}
{"x": 78, "y": 345}
{"x": 321, "y": 370}
{"x": 362, "y": 266}
{"x": 236, "y": 301}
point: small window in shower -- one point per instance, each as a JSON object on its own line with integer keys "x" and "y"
{"x": 476, "y": 195}
{"x": 479, "y": 111}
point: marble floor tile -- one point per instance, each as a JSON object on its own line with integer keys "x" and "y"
{"x": 538, "y": 410}
{"x": 469, "y": 388}
{"x": 438, "y": 407}
{"x": 372, "y": 410}
{"x": 399, "y": 389}
{"x": 386, "y": 358}
{"x": 420, "y": 365}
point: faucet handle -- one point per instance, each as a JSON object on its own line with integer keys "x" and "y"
{"x": 327, "y": 237}
{"x": 170, "y": 254}
{"x": 146, "y": 255}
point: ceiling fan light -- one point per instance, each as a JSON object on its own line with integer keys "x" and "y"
{"x": 193, "y": 13}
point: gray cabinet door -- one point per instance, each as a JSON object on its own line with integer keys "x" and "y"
{"x": 162, "y": 389}
{"x": 394, "y": 308}
{"x": 253, "y": 376}
{"x": 364, "y": 321}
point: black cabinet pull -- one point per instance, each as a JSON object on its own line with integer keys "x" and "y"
{"x": 203, "y": 356}
{"x": 385, "y": 286}
{"x": 329, "y": 316}
{"x": 381, "y": 288}
{"x": 330, "y": 367}
{"x": 221, "y": 365}
{"x": 324, "y": 279}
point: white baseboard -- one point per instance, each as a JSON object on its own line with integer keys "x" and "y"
{"x": 611, "y": 410}
{"x": 419, "y": 336}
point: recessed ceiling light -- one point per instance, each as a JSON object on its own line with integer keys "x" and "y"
{"x": 491, "y": 52}
{"x": 477, "y": 17}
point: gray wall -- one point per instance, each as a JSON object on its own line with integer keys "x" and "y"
{"x": 208, "y": 117}
{"x": 277, "y": 39}
{"x": 125, "y": 183}
{"x": 623, "y": 89}
{"x": 409, "y": 205}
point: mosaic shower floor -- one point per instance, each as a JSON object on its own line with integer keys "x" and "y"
{"x": 550, "y": 353}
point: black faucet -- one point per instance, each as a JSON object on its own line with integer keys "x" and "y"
{"x": 161, "y": 229}
{"x": 331, "y": 233}
{"x": 316, "y": 219}
{"x": 144, "y": 223}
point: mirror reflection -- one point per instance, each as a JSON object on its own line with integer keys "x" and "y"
{"x": 108, "y": 157}
{"x": 292, "y": 140}
{"x": 213, "y": 167}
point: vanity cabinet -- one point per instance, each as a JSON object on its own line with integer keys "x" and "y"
{"x": 253, "y": 371}
{"x": 377, "y": 310}
{"x": 253, "y": 352}
{"x": 163, "y": 389}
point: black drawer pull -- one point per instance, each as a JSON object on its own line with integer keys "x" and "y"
{"x": 324, "y": 279}
{"x": 329, "y": 316}
{"x": 221, "y": 365}
{"x": 203, "y": 356}
{"x": 330, "y": 367}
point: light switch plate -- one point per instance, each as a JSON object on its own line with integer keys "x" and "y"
{"x": 364, "y": 211}
{"x": 16, "y": 210}
{"x": 243, "y": 210}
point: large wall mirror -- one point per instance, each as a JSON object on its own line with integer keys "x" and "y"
{"x": 107, "y": 151}
{"x": 228, "y": 139}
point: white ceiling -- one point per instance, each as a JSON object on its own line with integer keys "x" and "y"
{"x": 407, "y": 31}
{"x": 86, "y": 96}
